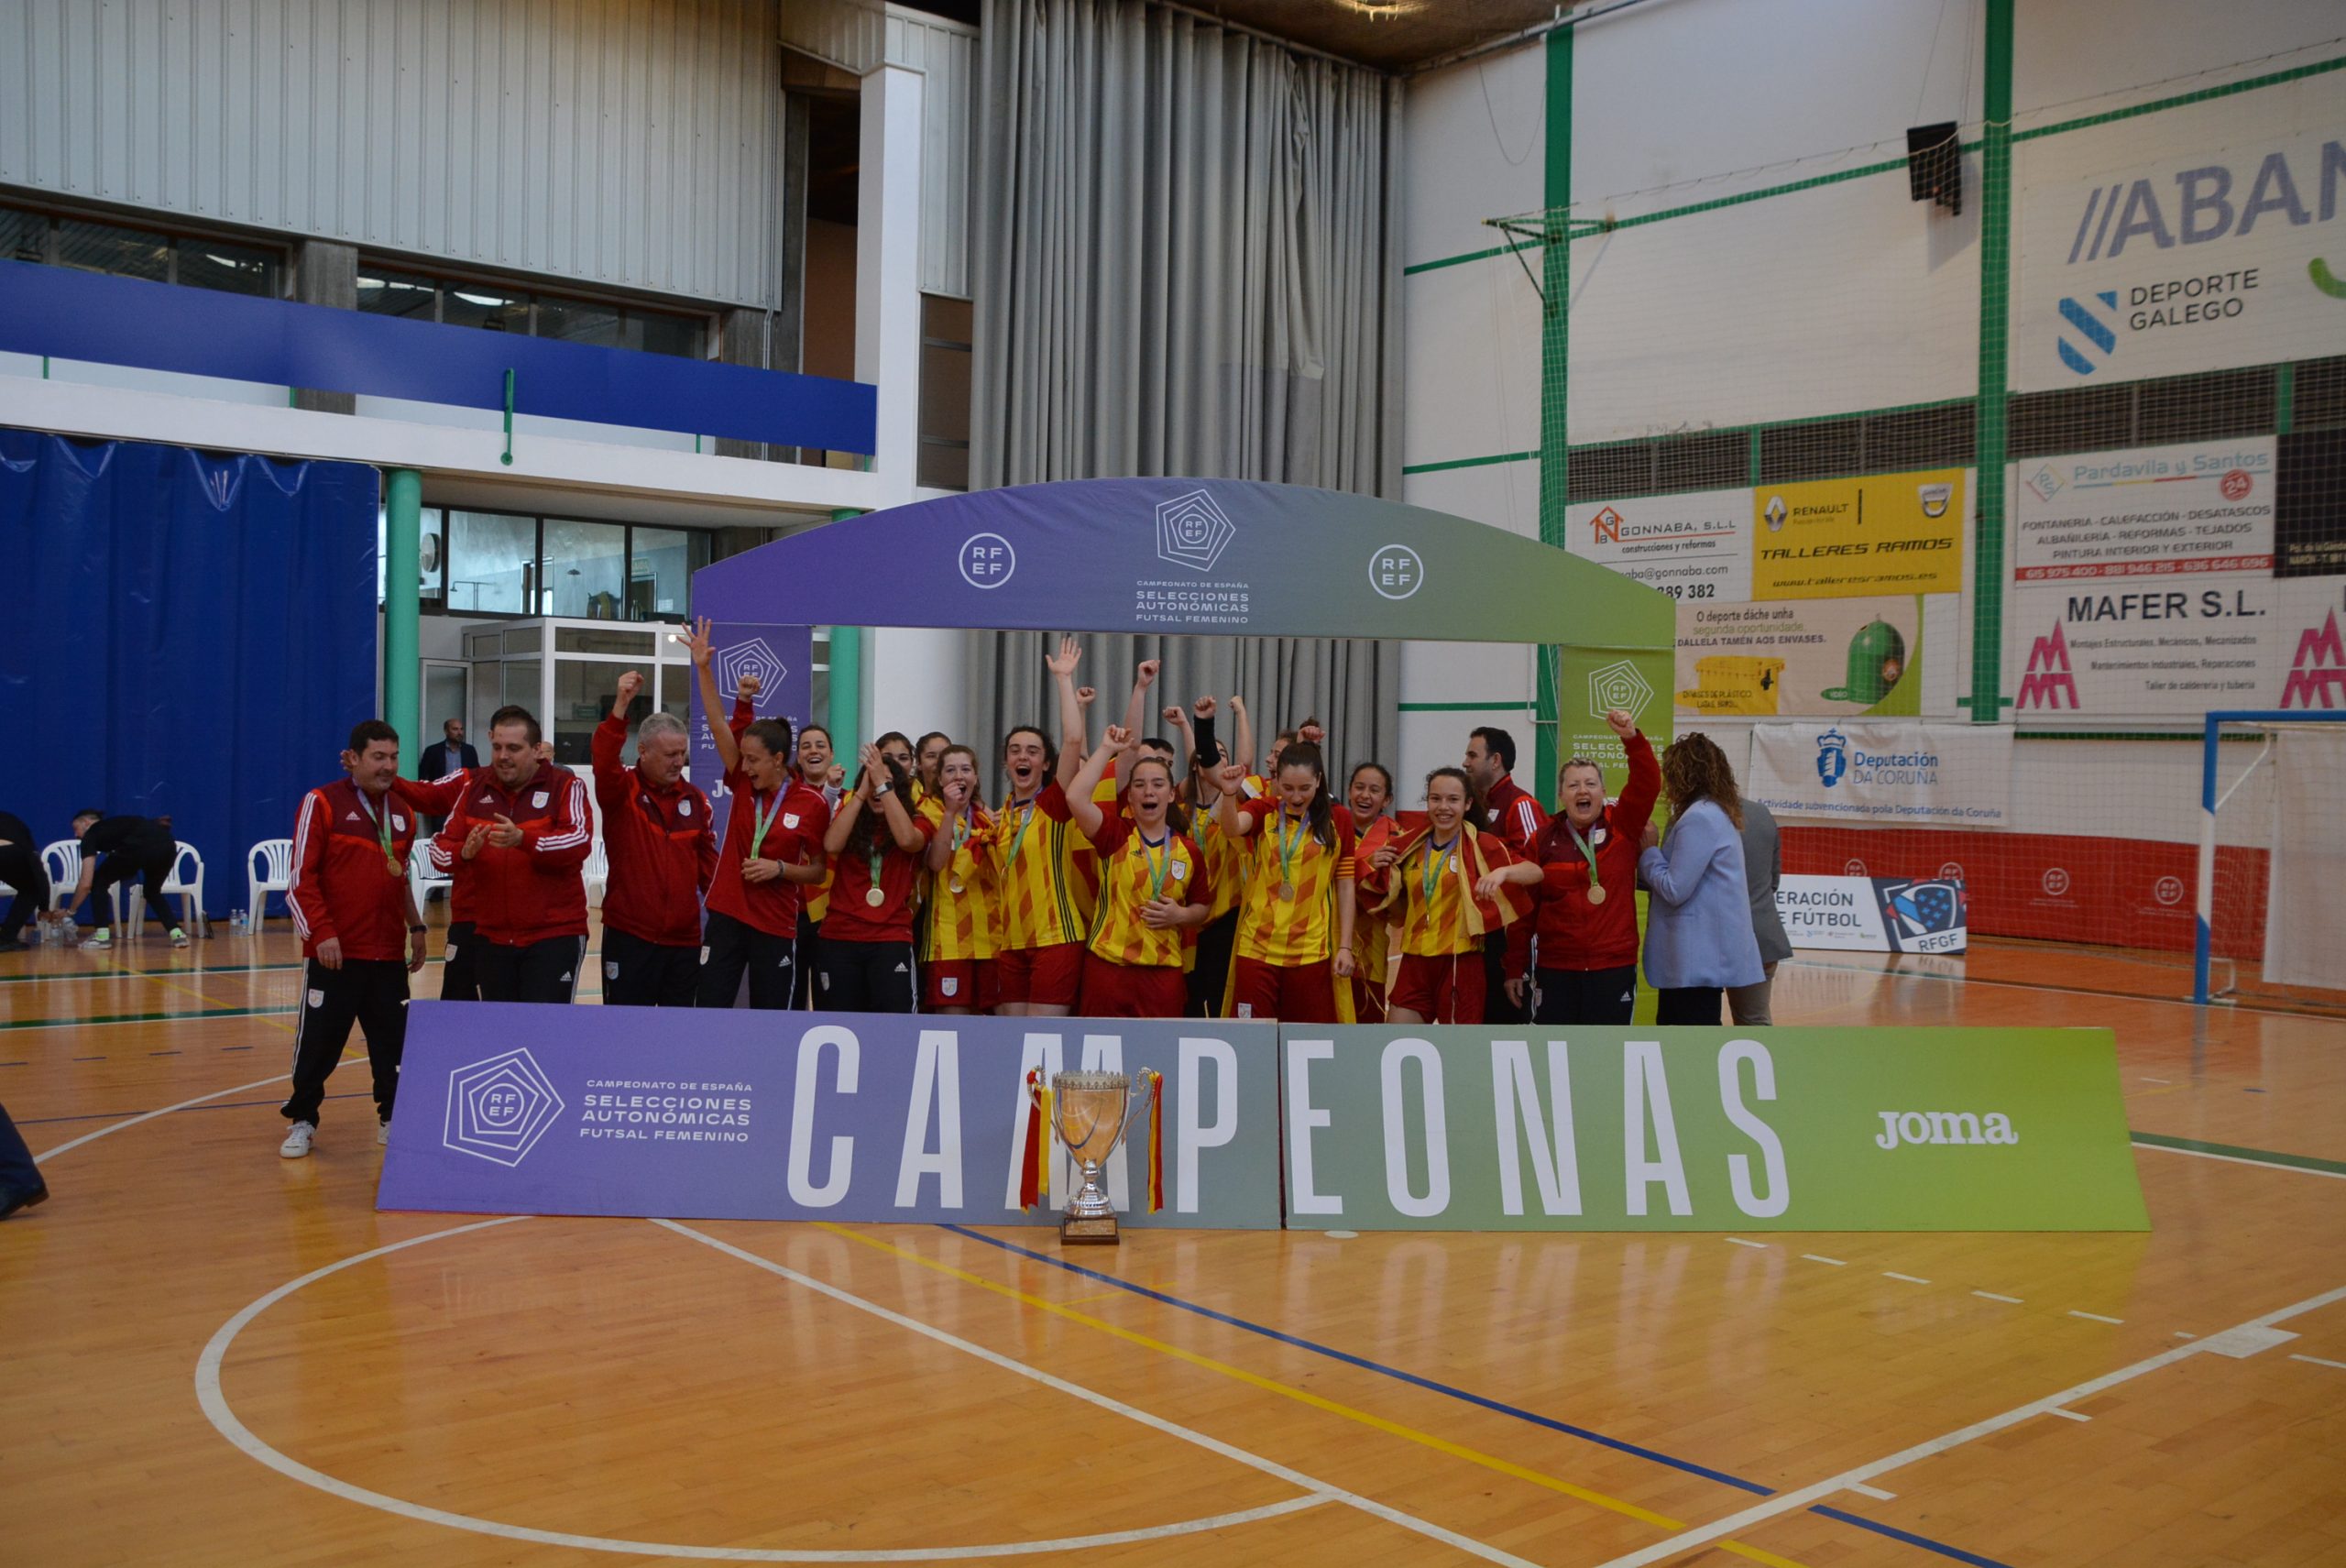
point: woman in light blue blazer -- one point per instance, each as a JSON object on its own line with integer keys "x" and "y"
{"x": 1699, "y": 939}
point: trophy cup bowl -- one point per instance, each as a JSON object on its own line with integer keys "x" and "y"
{"x": 1093, "y": 1113}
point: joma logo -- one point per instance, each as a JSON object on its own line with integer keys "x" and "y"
{"x": 1944, "y": 1128}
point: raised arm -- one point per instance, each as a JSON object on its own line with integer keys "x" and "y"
{"x": 1073, "y": 732}
{"x": 1244, "y": 738}
{"x": 1230, "y": 780}
{"x": 1081, "y": 809}
{"x": 704, "y": 650}
{"x": 1136, "y": 706}
{"x": 851, "y": 806}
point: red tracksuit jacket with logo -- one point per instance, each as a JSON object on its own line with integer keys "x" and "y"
{"x": 532, "y": 891}
{"x": 661, "y": 850}
{"x": 342, "y": 887}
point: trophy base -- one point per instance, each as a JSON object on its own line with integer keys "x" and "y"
{"x": 1100, "y": 1231}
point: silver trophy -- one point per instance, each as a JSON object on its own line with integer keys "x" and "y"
{"x": 1092, "y": 1113}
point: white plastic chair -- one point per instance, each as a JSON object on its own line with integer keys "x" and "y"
{"x": 63, "y": 860}
{"x": 421, "y": 878}
{"x": 599, "y": 873}
{"x": 268, "y": 868}
{"x": 188, "y": 890}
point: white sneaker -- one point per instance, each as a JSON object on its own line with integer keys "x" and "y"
{"x": 178, "y": 938}
{"x": 297, "y": 1141}
{"x": 100, "y": 938}
{"x": 383, "y": 1133}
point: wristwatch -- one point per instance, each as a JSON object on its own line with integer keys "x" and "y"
{"x": 416, "y": 929}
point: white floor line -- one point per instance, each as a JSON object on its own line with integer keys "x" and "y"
{"x": 1786, "y": 1502}
{"x": 1910, "y": 1279}
{"x": 215, "y": 1406}
{"x": 2318, "y": 1361}
{"x": 1814, "y": 1258}
{"x": 2094, "y": 1317}
{"x": 1991, "y": 1296}
{"x": 2067, "y": 1415}
{"x": 2155, "y": 1080}
{"x": 46, "y": 1155}
{"x": 1738, "y": 1241}
{"x": 2235, "y": 1159}
{"x": 1320, "y": 1490}
{"x": 1876, "y": 1493}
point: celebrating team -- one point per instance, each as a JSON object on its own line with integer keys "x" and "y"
{"x": 1125, "y": 878}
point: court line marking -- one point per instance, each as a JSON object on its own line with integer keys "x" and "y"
{"x": 1738, "y": 1241}
{"x": 1816, "y": 1257}
{"x": 1319, "y": 1490}
{"x": 2318, "y": 1361}
{"x": 1899, "y": 974}
{"x": 1909, "y": 1278}
{"x": 1302, "y": 1396}
{"x": 263, "y": 1013}
{"x": 1991, "y": 1296}
{"x": 1451, "y": 1391}
{"x": 209, "y": 1395}
{"x": 2095, "y": 1317}
{"x": 231, "y": 1105}
{"x": 1876, "y": 1493}
{"x": 1464, "y": 1396}
{"x": 46, "y": 1155}
{"x": 2306, "y": 1165}
{"x": 2067, "y": 1415}
{"x": 1786, "y": 1501}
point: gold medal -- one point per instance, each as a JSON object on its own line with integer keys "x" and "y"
{"x": 1287, "y": 893}
{"x": 1596, "y": 894}
{"x": 875, "y": 898}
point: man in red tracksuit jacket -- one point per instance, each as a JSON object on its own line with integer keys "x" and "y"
{"x": 1513, "y": 813}
{"x": 524, "y": 830}
{"x": 360, "y": 936}
{"x": 662, "y": 854}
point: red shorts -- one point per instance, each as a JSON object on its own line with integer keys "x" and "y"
{"x": 1299, "y": 993}
{"x": 1439, "y": 990}
{"x": 957, "y": 982}
{"x": 1040, "y": 976}
{"x": 1112, "y": 990}
{"x": 1368, "y": 1002}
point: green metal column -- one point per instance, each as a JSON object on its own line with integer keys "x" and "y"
{"x": 843, "y": 715}
{"x": 1995, "y": 334}
{"x": 1555, "y": 285}
{"x": 403, "y": 569}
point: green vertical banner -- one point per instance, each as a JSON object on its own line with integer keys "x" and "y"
{"x": 1590, "y": 682}
{"x": 1706, "y": 1129}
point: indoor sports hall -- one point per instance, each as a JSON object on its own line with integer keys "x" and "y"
{"x": 1846, "y": 498}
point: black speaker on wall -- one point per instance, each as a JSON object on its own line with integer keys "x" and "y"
{"x": 1934, "y": 165}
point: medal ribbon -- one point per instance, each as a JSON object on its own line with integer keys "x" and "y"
{"x": 765, "y": 819}
{"x": 1024, "y": 822}
{"x": 1587, "y": 852}
{"x": 1158, "y": 866}
{"x": 1434, "y": 855}
{"x": 874, "y": 855}
{"x": 1289, "y": 848}
{"x": 382, "y": 832}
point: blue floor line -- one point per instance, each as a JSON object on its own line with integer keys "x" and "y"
{"x": 1468, "y": 1396}
{"x": 1909, "y": 1537}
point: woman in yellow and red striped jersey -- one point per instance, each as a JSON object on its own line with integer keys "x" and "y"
{"x": 1295, "y": 922}
{"x": 1154, "y": 887}
{"x": 963, "y": 913}
{"x": 1424, "y": 880}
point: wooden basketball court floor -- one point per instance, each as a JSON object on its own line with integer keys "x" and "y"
{"x": 209, "y": 1356}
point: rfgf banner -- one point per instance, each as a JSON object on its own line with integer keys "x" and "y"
{"x": 855, "y": 1116}
{"x": 1683, "y": 1129}
{"x": 1875, "y": 914}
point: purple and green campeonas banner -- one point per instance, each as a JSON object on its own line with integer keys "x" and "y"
{"x": 1688, "y": 1129}
{"x": 740, "y": 1114}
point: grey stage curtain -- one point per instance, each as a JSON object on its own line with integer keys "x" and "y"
{"x": 1187, "y": 263}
